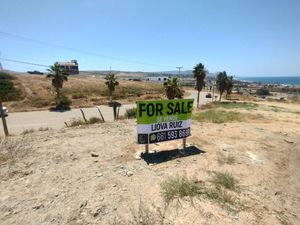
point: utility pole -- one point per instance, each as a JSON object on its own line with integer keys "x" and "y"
{"x": 179, "y": 68}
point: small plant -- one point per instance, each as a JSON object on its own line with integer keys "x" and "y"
{"x": 178, "y": 188}
{"x": 64, "y": 103}
{"x": 27, "y": 131}
{"x": 222, "y": 159}
{"x": 6, "y": 76}
{"x": 78, "y": 95}
{"x": 225, "y": 180}
{"x": 217, "y": 116}
{"x": 43, "y": 128}
{"x": 220, "y": 196}
{"x": 130, "y": 113}
{"x": 93, "y": 120}
{"x": 39, "y": 102}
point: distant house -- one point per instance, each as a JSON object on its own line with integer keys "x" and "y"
{"x": 70, "y": 67}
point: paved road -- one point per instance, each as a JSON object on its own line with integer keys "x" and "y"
{"x": 20, "y": 121}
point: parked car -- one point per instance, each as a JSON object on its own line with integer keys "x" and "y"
{"x": 5, "y": 110}
{"x": 35, "y": 72}
{"x": 208, "y": 95}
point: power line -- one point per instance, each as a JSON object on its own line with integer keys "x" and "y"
{"x": 23, "y": 62}
{"x": 82, "y": 51}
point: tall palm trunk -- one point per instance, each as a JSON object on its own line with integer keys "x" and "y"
{"x": 3, "y": 120}
{"x": 58, "y": 96}
{"x": 198, "y": 97}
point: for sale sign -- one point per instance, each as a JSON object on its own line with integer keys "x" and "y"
{"x": 163, "y": 120}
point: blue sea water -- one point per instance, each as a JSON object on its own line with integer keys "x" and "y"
{"x": 273, "y": 80}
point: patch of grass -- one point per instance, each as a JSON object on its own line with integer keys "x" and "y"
{"x": 143, "y": 215}
{"x": 93, "y": 120}
{"x": 221, "y": 196}
{"x": 78, "y": 95}
{"x": 178, "y": 188}
{"x": 80, "y": 122}
{"x": 39, "y": 102}
{"x": 222, "y": 159}
{"x": 43, "y": 129}
{"x": 225, "y": 180}
{"x": 10, "y": 148}
{"x": 27, "y": 131}
{"x": 230, "y": 105}
{"x": 217, "y": 116}
{"x": 130, "y": 113}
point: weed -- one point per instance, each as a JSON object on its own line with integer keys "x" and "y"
{"x": 217, "y": 116}
{"x": 78, "y": 95}
{"x": 93, "y": 120}
{"x": 225, "y": 180}
{"x": 220, "y": 196}
{"x": 39, "y": 102}
{"x": 43, "y": 129}
{"x": 79, "y": 122}
{"x": 27, "y": 131}
{"x": 178, "y": 188}
{"x": 130, "y": 113}
{"x": 230, "y": 105}
{"x": 11, "y": 148}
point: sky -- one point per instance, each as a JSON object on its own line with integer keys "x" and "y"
{"x": 242, "y": 37}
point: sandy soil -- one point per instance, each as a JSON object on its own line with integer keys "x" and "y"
{"x": 54, "y": 179}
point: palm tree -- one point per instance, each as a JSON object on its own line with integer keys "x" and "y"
{"x": 200, "y": 74}
{"x": 172, "y": 88}
{"x": 221, "y": 83}
{"x": 229, "y": 85}
{"x": 58, "y": 77}
{"x": 111, "y": 82}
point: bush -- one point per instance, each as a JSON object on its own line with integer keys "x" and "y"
{"x": 222, "y": 159}
{"x": 262, "y": 91}
{"x": 8, "y": 92}
{"x": 5, "y": 76}
{"x": 93, "y": 120}
{"x": 130, "y": 113}
{"x": 78, "y": 95}
{"x": 63, "y": 103}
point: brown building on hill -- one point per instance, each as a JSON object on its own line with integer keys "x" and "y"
{"x": 70, "y": 67}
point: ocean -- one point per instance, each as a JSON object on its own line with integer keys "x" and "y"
{"x": 273, "y": 80}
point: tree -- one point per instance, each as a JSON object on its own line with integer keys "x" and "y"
{"x": 111, "y": 82}
{"x": 58, "y": 77}
{"x": 200, "y": 74}
{"x": 221, "y": 83}
{"x": 229, "y": 85}
{"x": 172, "y": 88}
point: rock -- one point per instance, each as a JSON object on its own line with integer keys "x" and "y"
{"x": 94, "y": 154}
{"x": 84, "y": 204}
{"x": 114, "y": 185}
{"x": 38, "y": 206}
{"x": 288, "y": 141}
{"x": 129, "y": 173}
{"x": 95, "y": 161}
{"x": 99, "y": 174}
{"x": 102, "y": 199}
{"x": 124, "y": 189}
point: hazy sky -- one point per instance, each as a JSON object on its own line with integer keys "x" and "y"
{"x": 243, "y": 37}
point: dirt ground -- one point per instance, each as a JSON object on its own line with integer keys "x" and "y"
{"x": 53, "y": 179}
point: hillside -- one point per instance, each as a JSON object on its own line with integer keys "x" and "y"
{"x": 83, "y": 90}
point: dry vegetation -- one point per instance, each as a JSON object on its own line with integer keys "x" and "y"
{"x": 84, "y": 91}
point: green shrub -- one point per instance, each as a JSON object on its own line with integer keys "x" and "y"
{"x": 179, "y": 187}
{"x": 217, "y": 116}
{"x": 5, "y": 76}
{"x": 63, "y": 103}
{"x": 130, "y": 113}
{"x": 8, "y": 92}
{"x": 262, "y": 91}
{"x": 78, "y": 95}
